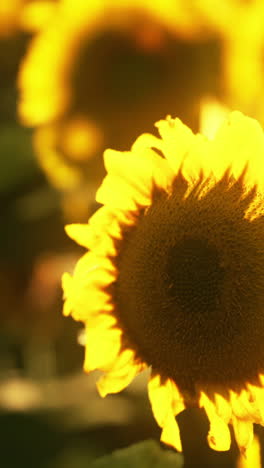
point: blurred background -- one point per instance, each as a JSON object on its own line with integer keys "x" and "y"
{"x": 77, "y": 77}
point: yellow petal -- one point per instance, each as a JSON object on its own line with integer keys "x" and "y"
{"x": 178, "y": 404}
{"x": 131, "y": 178}
{"x": 115, "y": 193}
{"x": 223, "y": 408}
{"x": 107, "y": 223}
{"x": 162, "y": 175}
{"x": 253, "y": 456}
{"x": 219, "y": 434}
{"x": 90, "y": 263}
{"x": 177, "y": 140}
{"x": 100, "y": 321}
{"x": 244, "y": 406}
{"x": 82, "y": 301}
{"x": 106, "y": 220}
{"x": 101, "y": 243}
{"x": 258, "y": 395}
{"x": 171, "y": 434}
{"x": 100, "y": 239}
{"x": 81, "y": 233}
{"x": 243, "y": 431}
{"x": 160, "y": 396}
{"x": 97, "y": 277}
{"x": 191, "y": 154}
{"x": 102, "y": 218}
{"x": 166, "y": 403}
{"x": 134, "y": 170}
{"x": 145, "y": 141}
{"x": 102, "y": 348}
{"x": 87, "y": 303}
{"x": 239, "y": 142}
{"x": 117, "y": 380}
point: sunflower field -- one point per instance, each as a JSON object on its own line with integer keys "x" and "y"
{"x": 132, "y": 237}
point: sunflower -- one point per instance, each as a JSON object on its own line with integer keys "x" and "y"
{"x": 174, "y": 276}
{"x": 77, "y": 23}
{"x": 115, "y": 66}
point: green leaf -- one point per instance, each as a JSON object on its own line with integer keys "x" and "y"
{"x": 147, "y": 454}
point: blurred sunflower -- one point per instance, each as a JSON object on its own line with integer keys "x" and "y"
{"x": 174, "y": 277}
{"x": 115, "y": 66}
{"x": 25, "y": 15}
{"x": 243, "y": 45}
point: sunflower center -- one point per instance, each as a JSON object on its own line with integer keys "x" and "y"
{"x": 190, "y": 288}
{"x": 194, "y": 275}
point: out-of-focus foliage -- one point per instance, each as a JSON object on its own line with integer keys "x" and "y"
{"x": 145, "y": 454}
